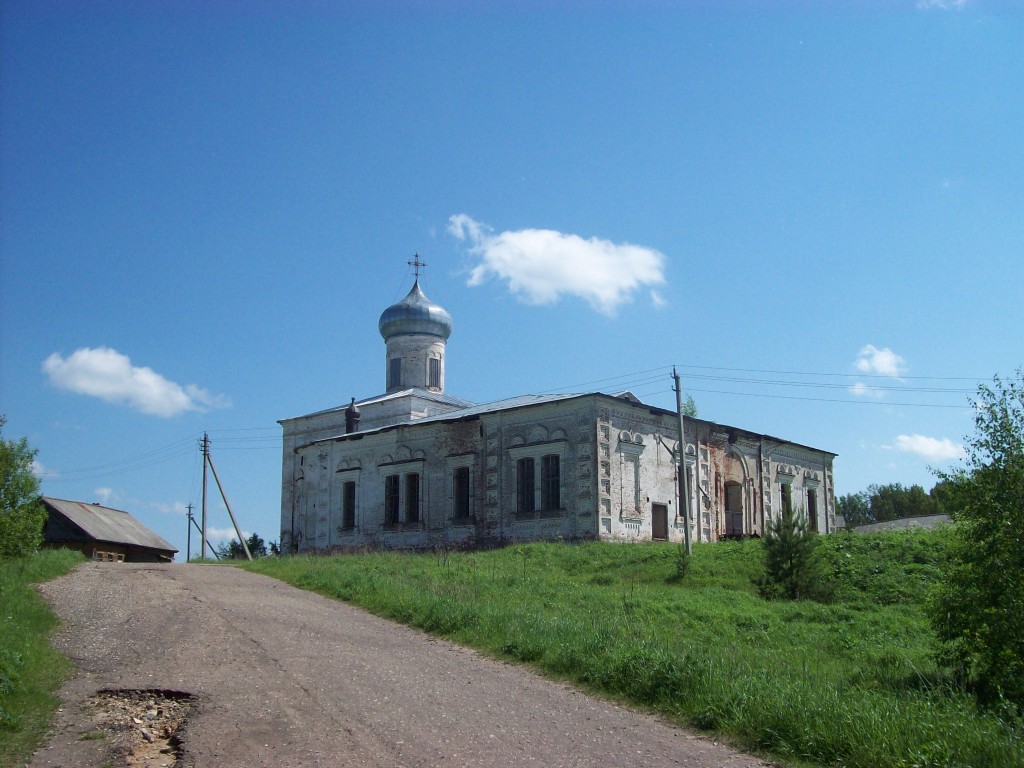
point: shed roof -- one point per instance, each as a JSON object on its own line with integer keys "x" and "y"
{"x": 107, "y": 524}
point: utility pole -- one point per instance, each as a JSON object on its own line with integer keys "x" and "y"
{"x": 206, "y": 452}
{"x": 241, "y": 538}
{"x": 684, "y": 495}
{"x": 188, "y": 538}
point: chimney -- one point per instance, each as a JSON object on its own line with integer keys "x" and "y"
{"x": 351, "y": 418}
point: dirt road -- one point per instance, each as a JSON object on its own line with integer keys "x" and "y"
{"x": 282, "y": 677}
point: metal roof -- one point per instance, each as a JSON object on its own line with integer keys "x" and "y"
{"x": 424, "y": 394}
{"x": 499, "y": 405}
{"x": 471, "y": 411}
{"x": 106, "y": 524}
{"x": 523, "y": 401}
{"x": 415, "y": 314}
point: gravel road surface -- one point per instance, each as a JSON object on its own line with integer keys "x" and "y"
{"x": 282, "y": 677}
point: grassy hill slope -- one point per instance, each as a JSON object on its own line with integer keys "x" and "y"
{"x": 850, "y": 683}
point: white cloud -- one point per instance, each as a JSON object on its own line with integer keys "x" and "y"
{"x": 930, "y": 448}
{"x": 880, "y": 362}
{"x": 107, "y": 374}
{"x": 104, "y": 494}
{"x": 39, "y": 470}
{"x": 942, "y": 5}
{"x": 220, "y": 535}
{"x": 863, "y": 390}
{"x": 174, "y": 508}
{"x": 540, "y": 265}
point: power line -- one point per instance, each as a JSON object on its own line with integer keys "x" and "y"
{"x": 978, "y": 379}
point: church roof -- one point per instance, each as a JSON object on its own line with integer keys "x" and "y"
{"x": 469, "y": 411}
{"x": 415, "y": 314}
{"x": 418, "y": 392}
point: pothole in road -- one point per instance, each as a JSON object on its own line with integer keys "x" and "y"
{"x": 142, "y": 724}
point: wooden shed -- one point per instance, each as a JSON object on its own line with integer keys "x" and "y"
{"x": 102, "y": 533}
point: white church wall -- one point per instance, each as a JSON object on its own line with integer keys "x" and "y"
{"x": 637, "y": 471}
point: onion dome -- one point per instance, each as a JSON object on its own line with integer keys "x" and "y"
{"x": 415, "y": 314}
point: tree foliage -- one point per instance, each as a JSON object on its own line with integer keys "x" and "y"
{"x": 792, "y": 564}
{"x": 21, "y": 513}
{"x": 893, "y": 501}
{"x": 233, "y": 550}
{"x": 979, "y": 612}
{"x": 690, "y": 407}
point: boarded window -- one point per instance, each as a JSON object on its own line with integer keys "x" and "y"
{"x": 348, "y": 505}
{"x": 525, "y": 503}
{"x": 550, "y": 483}
{"x": 391, "y": 500}
{"x": 434, "y": 373}
{"x": 394, "y": 372}
{"x": 812, "y": 509}
{"x": 412, "y": 498}
{"x": 460, "y": 493}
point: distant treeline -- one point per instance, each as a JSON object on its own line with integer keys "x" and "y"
{"x": 894, "y": 501}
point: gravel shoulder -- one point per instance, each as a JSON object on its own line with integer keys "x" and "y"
{"x": 274, "y": 676}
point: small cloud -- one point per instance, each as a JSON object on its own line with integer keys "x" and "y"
{"x": 941, "y": 5}
{"x": 863, "y": 390}
{"x": 880, "y": 362}
{"x": 105, "y": 495}
{"x": 930, "y": 448}
{"x": 221, "y": 535}
{"x": 109, "y": 375}
{"x": 174, "y": 508}
{"x": 540, "y": 265}
{"x": 39, "y": 470}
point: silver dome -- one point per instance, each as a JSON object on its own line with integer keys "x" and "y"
{"x": 415, "y": 314}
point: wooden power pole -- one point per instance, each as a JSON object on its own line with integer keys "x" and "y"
{"x": 684, "y": 495}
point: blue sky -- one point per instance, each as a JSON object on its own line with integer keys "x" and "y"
{"x": 814, "y": 210}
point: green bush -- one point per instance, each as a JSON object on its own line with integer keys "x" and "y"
{"x": 979, "y": 611}
{"x": 21, "y": 514}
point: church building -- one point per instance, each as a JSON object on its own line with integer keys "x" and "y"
{"x": 415, "y": 467}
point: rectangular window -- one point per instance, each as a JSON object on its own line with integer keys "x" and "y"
{"x": 550, "y": 483}
{"x": 394, "y": 372}
{"x": 434, "y": 378}
{"x": 391, "y": 500}
{"x": 348, "y": 505}
{"x": 812, "y": 509}
{"x": 460, "y": 493}
{"x": 412, "y": 498}
{"x": 525, "y": 503}
{"x": 786, "y": 494}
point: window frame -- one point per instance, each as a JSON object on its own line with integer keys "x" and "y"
{"x": 412, "y": 499}
{"x": 394, "y": 372}
{"x": 348, "y": 505}
{"x": 530, "y": 496}
{"x": 466, "y": 499}
{"x": 550, "y": 489}
{"x": 392, "y": 499}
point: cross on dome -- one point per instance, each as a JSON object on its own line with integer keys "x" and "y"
{"x": 416, "y": 264}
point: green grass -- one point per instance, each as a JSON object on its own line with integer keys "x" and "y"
{"x": 851, "y": 683}
{"x": 30, "y": 670}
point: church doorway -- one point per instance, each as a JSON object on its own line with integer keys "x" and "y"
{"x": 659, "y": 522}
{"x": 733, "y": 509}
